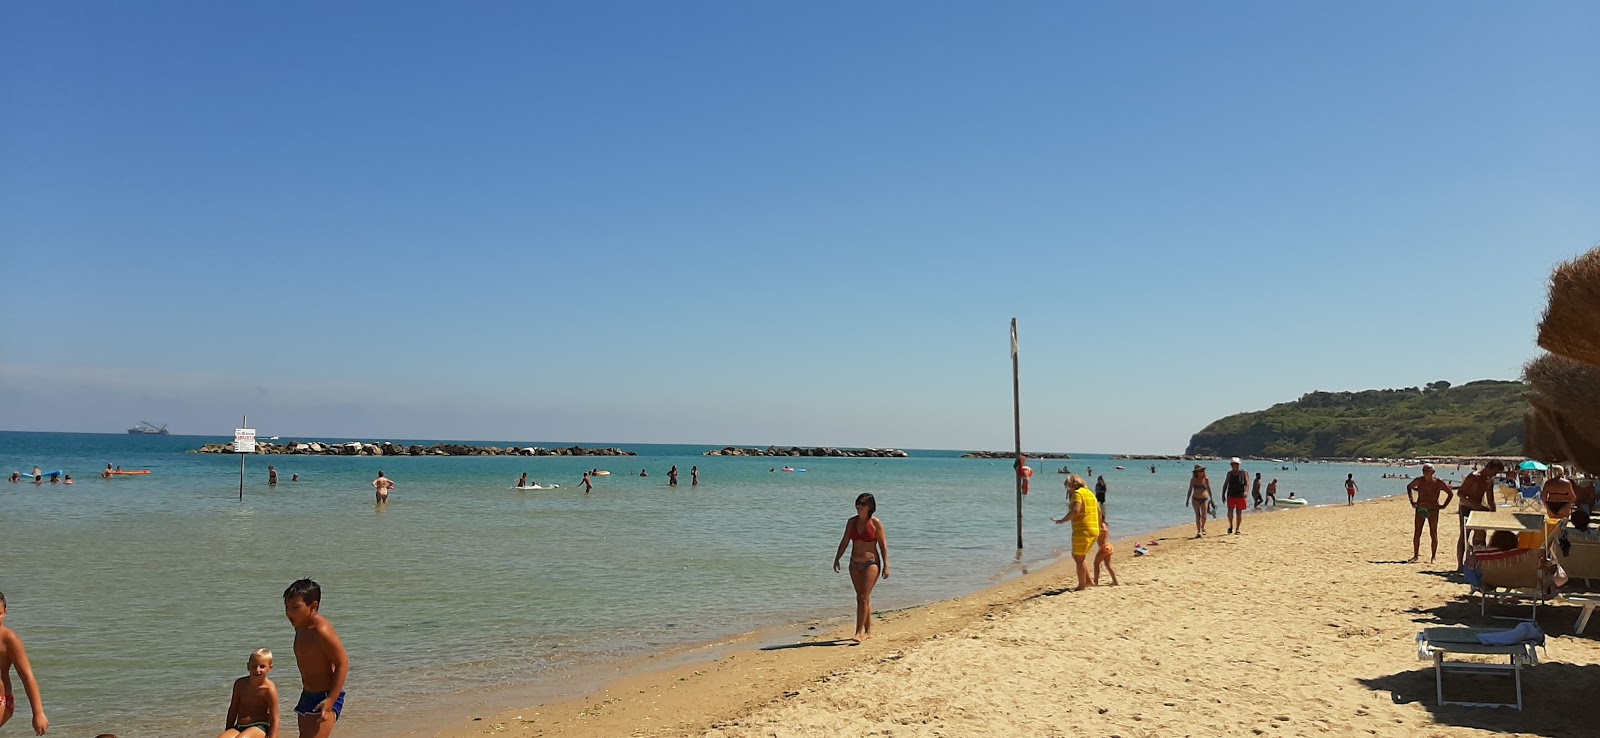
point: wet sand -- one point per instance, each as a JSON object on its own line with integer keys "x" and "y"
{"x": 1303, "y": 625}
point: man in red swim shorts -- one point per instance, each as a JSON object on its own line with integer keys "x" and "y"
{"x": 1236, "y": 488}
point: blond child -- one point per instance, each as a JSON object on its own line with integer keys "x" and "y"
{"x": 12, "y": 656}
{"x": 1103, "y": 558}
{"x": 253, "y": 711}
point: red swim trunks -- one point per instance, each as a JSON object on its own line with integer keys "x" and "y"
{"x": 1237, "y": 503}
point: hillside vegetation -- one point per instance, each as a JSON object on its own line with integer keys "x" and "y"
{"x": 1477, "y": 418}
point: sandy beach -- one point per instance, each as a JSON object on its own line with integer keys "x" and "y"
{"x": 1303, "y": 625}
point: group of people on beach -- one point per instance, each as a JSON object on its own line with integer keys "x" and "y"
{"x": 1238, "y": 492}
{"x": 1428, "y": 494}
{"x": 253, "y": 705}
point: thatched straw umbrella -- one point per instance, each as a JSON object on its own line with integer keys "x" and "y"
{"x": 1566, "y": 396}
{"x": 1571, "y": 325}
{"x": 1541, "y": 441}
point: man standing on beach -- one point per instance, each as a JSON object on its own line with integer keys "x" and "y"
{"x": 1350, "y": 488}
{"x": 1234, "y": 488}
{"x": 1477, "y": 494}
{"x": 1423, "y": 492}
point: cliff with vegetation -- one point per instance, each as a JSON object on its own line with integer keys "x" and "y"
{"x": 1482, "y": 418}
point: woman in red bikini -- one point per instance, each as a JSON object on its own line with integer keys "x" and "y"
{"x": 869, "y": 559}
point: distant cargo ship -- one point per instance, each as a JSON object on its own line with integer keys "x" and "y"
{"x": 145, "y": 428}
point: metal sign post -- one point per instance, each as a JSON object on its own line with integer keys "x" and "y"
{"x": 1016, "y": 414}
{"x": 244, "y": 442}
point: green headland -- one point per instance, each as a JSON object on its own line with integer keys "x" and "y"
{"x": 1482, "y": 418}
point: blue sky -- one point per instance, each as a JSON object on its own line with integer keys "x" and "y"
{"x": 775, "y": 222}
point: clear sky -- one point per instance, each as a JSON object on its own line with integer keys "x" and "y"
{"x": 775, "y": 222}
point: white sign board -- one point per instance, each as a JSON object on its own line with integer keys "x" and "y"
{"x": 244, "y": 440}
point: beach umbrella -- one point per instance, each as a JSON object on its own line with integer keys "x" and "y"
{"x": 1567, "y": 394}
{"x": 1531, "y": 465}
{"x": 1552, "y": 434}
{"x": 1571, "y": 324}
{"x": 1539, "y": 436}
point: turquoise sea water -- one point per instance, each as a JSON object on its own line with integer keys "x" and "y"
{"x": 140, "y": 598}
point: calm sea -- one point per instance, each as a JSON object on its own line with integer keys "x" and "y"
{"x": 141, "y": 597}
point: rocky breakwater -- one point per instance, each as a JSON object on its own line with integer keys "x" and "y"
{"x": 841, "y": 453}
{"x": 1012, "y": 455}
{"x": 357, "y": 448}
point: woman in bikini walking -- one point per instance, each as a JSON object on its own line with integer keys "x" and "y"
{"x": 1199, "y": 497}
{"x": 869, "y": 559}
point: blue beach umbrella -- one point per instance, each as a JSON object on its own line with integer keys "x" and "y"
{"x": 1531, "y": 465}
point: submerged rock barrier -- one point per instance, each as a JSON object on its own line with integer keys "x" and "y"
{"x": 845, "y": 453}
{"x": 357, "y": 448}
{"x": 1012, "y": 455}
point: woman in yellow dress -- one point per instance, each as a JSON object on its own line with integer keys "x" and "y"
{"x": 1083, "y": 511}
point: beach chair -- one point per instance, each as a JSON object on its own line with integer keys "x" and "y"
{"x": 1508, "y": 577}
{"x": 1528, "y": 498}
{"x": 1437, "y": 643}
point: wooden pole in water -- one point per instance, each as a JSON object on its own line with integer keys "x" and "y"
{"x": 244, "y": 422}
{"x": 1016, "y": 414}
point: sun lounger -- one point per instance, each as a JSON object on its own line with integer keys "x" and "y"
{"x": 1589, "y": 602}
{"x": 1437, "y": 643}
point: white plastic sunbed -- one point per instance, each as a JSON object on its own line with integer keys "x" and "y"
{"x": 1436, "y": 643}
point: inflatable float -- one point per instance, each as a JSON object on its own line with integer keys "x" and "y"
{"x": 1293, "y": 501}
{"x": 599, "y": 473}
{"x": 536, "y": 486}
{"x": 134, "y": 471}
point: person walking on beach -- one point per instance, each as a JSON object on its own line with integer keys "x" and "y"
{"x": 672, "y": 476}
{"x": 1083, "y": 511}
{"x": 1423, "y": 493}
{"x": 694, "y": 476}
{"x": 1272, "y": 494}
{"x": 1199, "y": 497}
{"x": 253, "y": 709}
{"x": 324, "y": 664}
{"x": 869, "y": 559}
{"x": 1103, "y": 556}
{"x": 1233, "y": 489}
{"x": 381, "y": 487}
{"x": 1100, "y": 489}
{"x": 1350, "y": 488}
{"x": 1476, "y": 494}
{"x": 14, "y": 656}
{"x": 1255, "y": 491}
{"x": 272, "y": 476}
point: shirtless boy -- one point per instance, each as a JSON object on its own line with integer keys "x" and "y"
{"x": 1423, "y": 492}
{"x": 253, "y": 710}
{"x": 1477, "y": 493}
{"x": 13, "y": 656}
{"x": 322, "y": 659}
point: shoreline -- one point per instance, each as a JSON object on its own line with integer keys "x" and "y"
{"x": 771, "y": 682}
{"x": 661, "y": 694}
